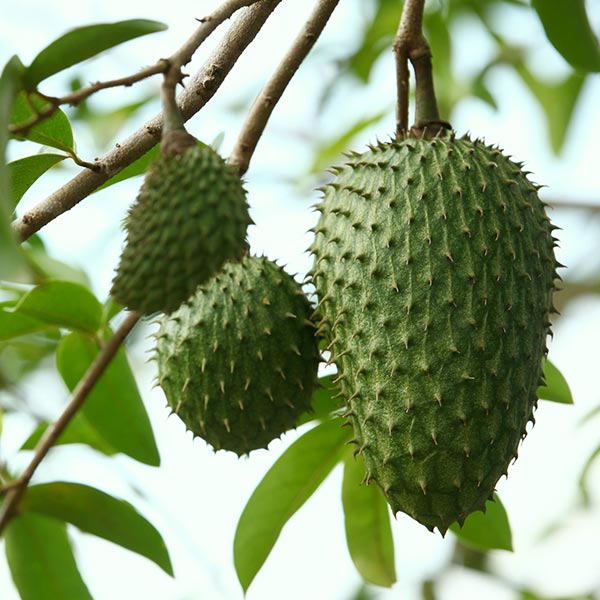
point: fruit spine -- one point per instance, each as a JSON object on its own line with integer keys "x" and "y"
{"x": 238, "y": 362}
{"x": 190, "y": 217}
{"x": 434, "y": 268}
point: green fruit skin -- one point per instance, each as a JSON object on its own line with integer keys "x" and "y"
{"x": 190, "y": 217}
{"x": 434, "y": 268}
{"x": 238, "y": 362}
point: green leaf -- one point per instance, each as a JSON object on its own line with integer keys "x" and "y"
{"x": 21, "y": 355}
{"x": 377, "y": 37}
{"x": 489, "y": 531}
{"x": 95, "y": 512}
{"x": 110, "y": 309}
{"x": 14, "y": 324}
{"x": 55, "y": 131}
{"x": 556, "y": 388}
{"x": 46, "y": 267}
{"x": 12, "y": 265}
{"x": 331, "y": 151}
{"x": 82, "y": 43}
{"x": 104, "y": 125}
{"x": 584, "y": 476}
{"x": 323, "y": 402}
{"x": 568, "y": 28}
{"x": 23, "y": 173}
{"x": 41, "y": 560}
{"x": 114, "y": 407}
{"x": 136, "y": 168}
{"x": 64, "y": 304}
{"x": 284, "y": 489}
{"x": 558, "y": 102}
{"x": 368, "y": 530}
{"x": 79, "y": 431}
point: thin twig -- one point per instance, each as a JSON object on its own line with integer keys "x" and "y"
{"x": 80, "y": 393}
{"x": 197, "y": 93}
{"x": 82, "y": 94}
{"x": 575, "y": 205}
{"x": 260, "y": 113}
{"x": 177, "y": 60}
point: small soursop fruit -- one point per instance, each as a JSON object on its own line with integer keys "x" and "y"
{"x": 434, "y": 266}
{"x": 190, "y": 216}
{"x": 238, "y": 361}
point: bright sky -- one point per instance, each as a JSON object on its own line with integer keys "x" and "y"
{"x": 196, "y": 496}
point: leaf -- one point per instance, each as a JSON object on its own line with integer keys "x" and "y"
{"x": 96, "y": 512}
{"x": 368, "y": 530}
{"x": 110, "y": 309}
{"x": 136, "y": 168}
{"x": 12, "y": 265}
{"x": 41, "y": 560}
{"x": 104, "y": 125}
{"x": 23, "y": 173}
{"x": 64, "y": 304}
{"x": 558, "y": 102}
{"x": 46, "y": 267}
{"x": 331, "y": 151}
{"x": 23, "y": 354}
{"x": 323, "y": 403}
{"x": 489, "y": 531}
{"x": 79, "y": 431}
{"x": 284, "y": 489}
{"x": 377, "y": 38}
{"x": 556, "y": 388}
{"x": 568, "y": 28}
{"x": 14, "y": 324}
{"x": 114, "y": 407}
{"x": 55, "y": 131}
{"x": 82, "y": 43}
{"x": 584, "y": 476}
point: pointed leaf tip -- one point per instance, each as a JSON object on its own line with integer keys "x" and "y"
{"x": 293, "y": 478}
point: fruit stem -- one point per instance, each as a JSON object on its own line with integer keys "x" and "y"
{"x": 172, "y": 118}
{"x": 410, "y": 44}
{"x": 175, "y": 139}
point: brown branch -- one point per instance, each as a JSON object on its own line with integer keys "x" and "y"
{"x": 410, "y": 44}
{"x": 270, "y": 95}
{"x": 198, "y": 92}
{"x": 17, "y": 488}
{"x": 575, "y": 205}
{"x": 177, "y": 60}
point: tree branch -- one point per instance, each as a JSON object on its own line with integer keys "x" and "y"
{"x": 270, "y": 95}
{"x": 176, "y": 61}
{"x": 17, "y": 488}
{"x": 198, "y": 92}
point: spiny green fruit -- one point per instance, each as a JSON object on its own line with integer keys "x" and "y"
{"x": 190, "y": 217}
{"x": 434, "y": 268}
{"x": 238, "y": 361}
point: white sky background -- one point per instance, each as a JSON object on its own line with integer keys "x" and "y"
{"x": 195, "y": 497}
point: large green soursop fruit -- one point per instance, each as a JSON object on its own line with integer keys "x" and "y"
{"x": 189, "y": 218}
{"x": 238, "y": 362}
{"x": 434, "y": 269}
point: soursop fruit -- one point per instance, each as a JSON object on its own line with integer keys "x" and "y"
{"x": 434, "y": 267}
{"x": 190, "y": 217}
{"x": 238, "y": 361}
